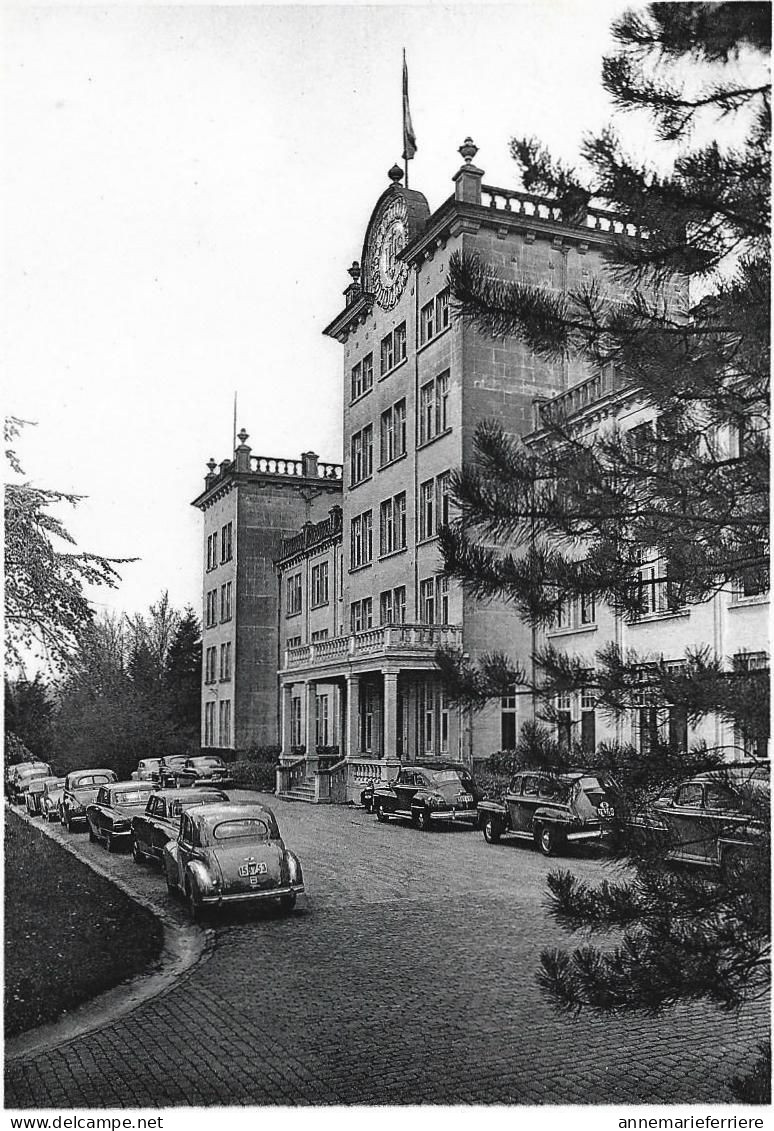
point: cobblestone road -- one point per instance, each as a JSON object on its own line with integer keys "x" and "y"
{"x": 406, "y": 975}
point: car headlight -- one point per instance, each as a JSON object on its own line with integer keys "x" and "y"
{"x": 436, "y": 801}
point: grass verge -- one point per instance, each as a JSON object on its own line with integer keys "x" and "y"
{"x": 69, "y": 933}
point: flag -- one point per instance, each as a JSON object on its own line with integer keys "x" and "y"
{"x": 409, "y": 140}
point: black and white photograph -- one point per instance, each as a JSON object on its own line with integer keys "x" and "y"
{"x": 386, "y": 713}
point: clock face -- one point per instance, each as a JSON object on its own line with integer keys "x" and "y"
{"x": 388, "y": 238}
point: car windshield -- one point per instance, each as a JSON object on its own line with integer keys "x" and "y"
{"x": 175, "y": 805}
{"x": 206, "y": 762}
{"x": 441, "y": 776}
{"x": 245, "y": 828}
{"x": 130, "y": 796}
{"x": 174, "y": 760}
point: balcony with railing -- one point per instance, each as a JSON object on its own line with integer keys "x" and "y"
{"x": 389, "y": 641}
{"x": 577, "y": 399}
{"x": 312, "y": 535}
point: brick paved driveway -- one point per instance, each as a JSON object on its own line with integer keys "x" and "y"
{"x": 406, "y": 975}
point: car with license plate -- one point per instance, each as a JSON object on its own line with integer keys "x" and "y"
{"x": 206, "y": 769}
{"x": 168, "y": 768}
{"x": 160, "y": 822}
{"x": 51, "y": 799}
{"x": 33, "y": 796}
{"x": 147, "y": 770}
{"x": 231, "y": 854}
{"x": 110, "y": 815}
{"x": 80, "y": 789}
{"x": 552, "y": 811}
{"x": 25, "y": 778}
{"x": 716, "y": 817}
{"x": 428, "y": 794}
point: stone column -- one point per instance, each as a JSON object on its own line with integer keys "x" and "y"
{"x": 287, "y": 738}
{"x": 353, "y": 710}
{"x": 310, "y": 696}
{"x": 390, "y": 715}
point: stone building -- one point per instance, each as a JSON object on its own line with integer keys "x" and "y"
{"x": 357, "y": 667}
{"x": 333, "y": 653}
{"x": 249, "y": 505}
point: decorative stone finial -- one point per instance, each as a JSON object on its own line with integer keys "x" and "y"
{"x": 211, "y": 465}
{"x": 243, "y": 436}
{"x": 354, "y": 271}
{"x": 468, "y": 150}
{"x": 396, "y": 175}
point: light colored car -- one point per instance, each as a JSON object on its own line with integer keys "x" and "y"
{"x": 33, "y": 796}
{"x": 24, "y": 777}
{"x": 230, "y": 854}
{"x": 51, "y": 800}
{"x": 80, "y": 789}
{"x": 147, "y": 770}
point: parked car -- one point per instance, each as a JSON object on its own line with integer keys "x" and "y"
{"x": 33, "y": 795}
{"x": 20, "y": 768}
{"x": 161, "y": 820}
{"x": 168, "y": 767}
{"x": 24, "y": 778}
{"x": 715, "y": 816}
{"x": 110, "y": 816}
{"x": 207, "y": 769}
{"x": 51, "y": 799}
{"x": 147, "y": 770}
{"x": 552, "y": 810}
{"x": 428, "y": 793}
{"x": 80, "y": 789}
{"x": 231, "y": 853}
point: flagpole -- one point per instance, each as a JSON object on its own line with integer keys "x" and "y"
{"x": 233, "y": 444}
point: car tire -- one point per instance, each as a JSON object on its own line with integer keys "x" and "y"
{"x": 110, "y": 843}
{"x": 288, "y": 902}
{"x": 92, "y": 835}
{"x": 138, "y": 855}
{"x": 68, "y": 823}
{"x": 172, "y": 890}
{"x": 491, "y": 830}
{"x": 421, "y": 818}
{"x": 549, "y": 839}
{"x": 379, "y": 810}
{"x": 368, "y": 805}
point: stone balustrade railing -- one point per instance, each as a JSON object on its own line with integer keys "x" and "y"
{"x": 389, "y": 638}
{"x": 271, "y": 465}
{"x": 580, "y": 396}
{"x": 313, "y": 534}
{"x": 542, "y": 208}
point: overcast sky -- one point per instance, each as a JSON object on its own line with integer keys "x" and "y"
{"x": 185, "y": 191}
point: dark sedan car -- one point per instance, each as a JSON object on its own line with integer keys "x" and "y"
{"x": 168, "y": 768}
{"x": 428, "y": 794}
{"x": 161, "y": 820}
{"x": 80, "y": 789}
{"x": 110, "y": 816}
{"x": 716, "y": 817}
{"x": 207, "y": 769}
{"x": 551, "y": 810}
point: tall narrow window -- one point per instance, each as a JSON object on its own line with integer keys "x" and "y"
{"x": 588, "y": 722}
{"x": 442, "y": 598}
{"x": 399, "y": 343}
{"x": 442, "y": 310}
{"x": 427, "y": 600}
{"x": 427, "y": 509}
{"x": 427, "y": 322}
{"x": 564, "y": 720}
